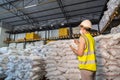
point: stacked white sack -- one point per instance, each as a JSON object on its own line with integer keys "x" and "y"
{"x": 34, "y": 48}
{"x": 26, "y": 64}
{"x": 61, "y": 62}
{"x": 111, "y": 5}
{"x": 115, "y": 30}
{"x": 24, "y": 68}
{"x": 12, "y": 45}
{"x": 3, "y": 50}
{"x": 108, "y": 57}
{"x": 3, "y": 62}
{"x": 20, "y": 46}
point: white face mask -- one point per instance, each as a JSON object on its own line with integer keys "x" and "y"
{"x": 81, "y": 32}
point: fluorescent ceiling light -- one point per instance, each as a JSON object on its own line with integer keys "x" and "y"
{"x": 30, "y": 6}
{"x": 51, "y": 25}
{"x": 62, "y": 24}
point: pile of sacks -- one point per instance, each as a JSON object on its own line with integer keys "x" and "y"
{"x": 115, "y": 30}
{"x": 108, "y": 57}
{"x": 61, "y": 62}
{"x": 3, "y": 50}
{"x": 25, "y": 68}
{"x": 3, "y": 62}
{"x": 111, "y": 5}
{"x": 23, "y": 64}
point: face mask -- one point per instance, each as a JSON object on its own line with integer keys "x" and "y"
{"x": 81, "y": 32}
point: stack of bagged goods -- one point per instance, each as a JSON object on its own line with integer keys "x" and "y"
{"x": 12, "y": 45}
{"x": 3, "y": 50}
{"x": 37, "y": 49}
{"x": 115, "y": 30}
{"x": 38, "y": 43}
{"x": 111, "y": 5}
{"x": 3, "y": 62}
{"x": 20, "y": 46}
{"x": 24, "y": 68}
{"x": 108, "y": 57}
{"x": 61, "y": 62}
{"x": 25, "y": 64}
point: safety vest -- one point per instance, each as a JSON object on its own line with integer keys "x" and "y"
{"x": 88, "y": 60}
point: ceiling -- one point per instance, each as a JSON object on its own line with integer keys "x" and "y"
{"x": 25, "y": 15}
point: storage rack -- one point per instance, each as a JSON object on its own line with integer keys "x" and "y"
{"x": 74, "y": 36}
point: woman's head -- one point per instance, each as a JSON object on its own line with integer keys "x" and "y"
{"x": 85, "y": 26}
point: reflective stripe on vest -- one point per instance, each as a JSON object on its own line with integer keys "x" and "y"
{"x": 88, "y": 60}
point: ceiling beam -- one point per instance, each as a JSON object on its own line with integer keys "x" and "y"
{"x": 58, "y": 13}
{"x": 94, "y": 12}
{"x": 46, "y": 27}
{"x": 104, "y": 9}
{"x": 7, "y": 3}
{"x": 17, "y": 12}
{"x": 63, "y": 10}
{"x": 51, "y": 9}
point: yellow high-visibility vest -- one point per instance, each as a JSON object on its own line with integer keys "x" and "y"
{"x": 88, "y": 60}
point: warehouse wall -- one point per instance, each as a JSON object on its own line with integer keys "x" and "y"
{"x": 3, "y": 36}
{"x": 3, "y": 28}
{"x": 19, "y": 36}
{"x": 12, "y": 36}
{"x": 0, "y": 29}
{"x": 42, "y": 34}
{"x": 54, "y": 33}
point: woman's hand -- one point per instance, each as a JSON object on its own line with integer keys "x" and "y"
{"x": 76, "y": 41}
{"x": 73, "y": 49}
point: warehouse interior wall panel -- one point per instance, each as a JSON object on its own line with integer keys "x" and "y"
{"x": 54, "y": 33}
{"x": 3, "y": 36}
{"x": 20, "y": 36}
{"x": 42, "y": 34}
{"x": 12, "y": 36}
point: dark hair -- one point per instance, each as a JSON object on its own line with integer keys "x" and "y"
{"x": 88, "y": 29}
